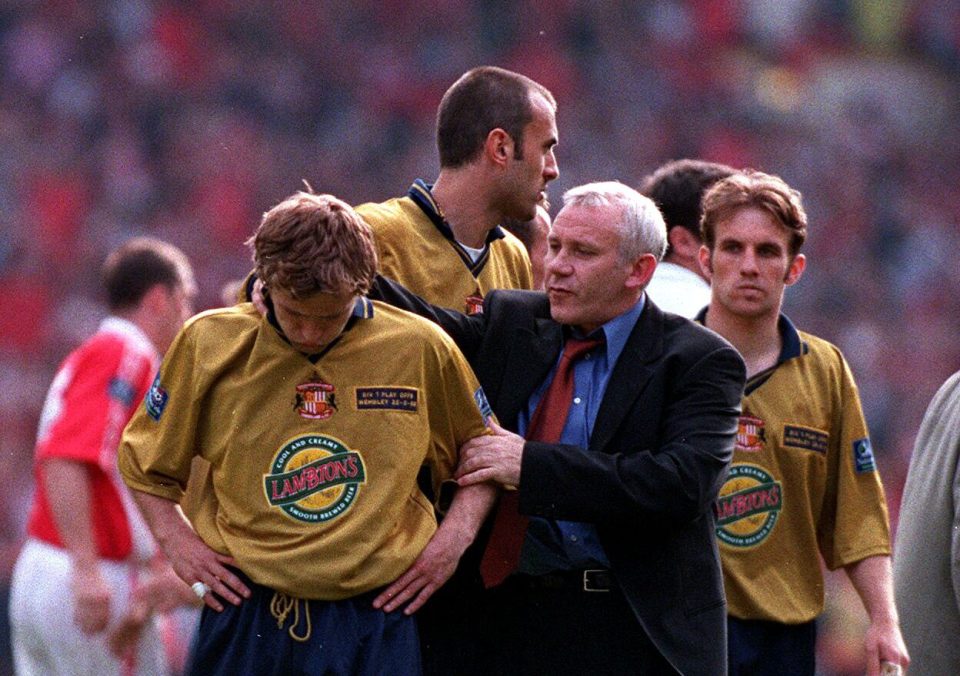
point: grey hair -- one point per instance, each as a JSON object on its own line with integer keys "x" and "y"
{"x": 641, "y": 225}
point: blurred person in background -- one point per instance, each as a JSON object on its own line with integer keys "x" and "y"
{"x": 89, "y": 577}
{"x": 926, "y": 563}
{"x": 533, "y": 234}
{"x": 496, "y": 134}
{"x": 677, "y": 188}
{"x": 803, "y": 480}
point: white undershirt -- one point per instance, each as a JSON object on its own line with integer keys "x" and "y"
{"x": 474, "y": 253}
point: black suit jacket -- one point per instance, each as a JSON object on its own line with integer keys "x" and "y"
{"x": 660, "y": 448}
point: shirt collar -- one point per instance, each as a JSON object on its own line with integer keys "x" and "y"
{"x": 617, "y": 331}
{"x": 422, "y": 195}
{"x": 791, "y": 344}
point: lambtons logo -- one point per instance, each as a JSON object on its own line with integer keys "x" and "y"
{"x": 748, "y": 507}
{"x": 314, "y": 478}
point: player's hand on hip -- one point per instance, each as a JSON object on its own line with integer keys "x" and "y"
{"x": 435, "y": 565}
{"x": 91, "y": 598}
{"x": 194, "y": 562}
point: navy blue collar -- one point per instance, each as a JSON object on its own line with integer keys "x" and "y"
{"x": 421, "y": 194}
{"x": 792, "y": 346}
{"x": 362, "y": 309}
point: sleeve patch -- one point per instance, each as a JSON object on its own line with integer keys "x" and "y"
{"x": 806, "y": 438}
{"x": 863, "y": 456}
{"x": 481, "y": 398}
{"x": 156, "y": 399}
{"x": 122, "y": 391}
{"x": 391, "y": 398}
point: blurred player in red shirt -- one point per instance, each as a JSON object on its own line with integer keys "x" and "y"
{"x": 89, "y": 577}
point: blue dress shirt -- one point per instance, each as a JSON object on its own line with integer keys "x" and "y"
{"x": 552, "y": 545}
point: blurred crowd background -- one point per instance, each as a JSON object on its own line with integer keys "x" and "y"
{"x": 186, "y": 119}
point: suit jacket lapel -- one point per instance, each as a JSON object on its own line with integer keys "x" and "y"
{"x": 630, "y": 374}
{"x": 529, "y": 359}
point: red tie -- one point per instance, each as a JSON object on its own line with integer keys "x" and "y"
{"x": 502, "y": 554}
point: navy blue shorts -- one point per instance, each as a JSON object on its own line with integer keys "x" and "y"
{"x": 271, "y": 634}
{"x": 762, "y": 648}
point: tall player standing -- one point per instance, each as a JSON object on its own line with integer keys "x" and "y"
{"x": 496, "y": 134}
{"x": 803, "y": 482}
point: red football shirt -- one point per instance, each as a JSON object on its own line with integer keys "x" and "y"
{"x": 93, "y": 395}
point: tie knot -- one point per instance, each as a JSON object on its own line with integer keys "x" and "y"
{"x": 575, "y": 348}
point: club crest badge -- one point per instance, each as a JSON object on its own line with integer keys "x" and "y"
{"x": 748, "y": 507}
{"x": 315, "y": 400}
{"x": 750, "y": 434}
{"x": 474, "y": 305}
{"x": 314, "y": 478}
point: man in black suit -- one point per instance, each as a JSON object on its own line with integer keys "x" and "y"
{"x": 619, "y": 570}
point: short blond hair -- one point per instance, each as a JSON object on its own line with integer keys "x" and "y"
{"x": 314, "y": 243}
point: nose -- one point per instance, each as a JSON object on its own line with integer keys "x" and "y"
{"x": 555, "y": 263}
{"x": 748, "y": 263}
{"x": 550, "y": 169}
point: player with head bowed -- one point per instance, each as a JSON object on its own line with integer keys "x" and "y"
{"x": 315, "y": 419}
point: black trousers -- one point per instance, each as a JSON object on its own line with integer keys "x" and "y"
{"x": 452, "y": 626}
{"x": 551, "y": 625}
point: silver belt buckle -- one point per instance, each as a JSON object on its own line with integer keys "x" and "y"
{"x": 587, "y": 581}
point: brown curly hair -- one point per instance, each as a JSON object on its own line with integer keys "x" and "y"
{"x": 314, "y": 243}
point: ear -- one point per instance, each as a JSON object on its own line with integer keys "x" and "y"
{"x": 642, "y": 271}
{"x": 155, "y": 300}
{"x": 795, "y": 271}
{"x": 705, "y": 263}
{"x": 683, "y": 243}
{"x": 498, "y": 148}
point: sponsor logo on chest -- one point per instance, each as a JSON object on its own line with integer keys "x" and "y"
{"x": 748, "y": 506}
{"x": 314, "y": 478}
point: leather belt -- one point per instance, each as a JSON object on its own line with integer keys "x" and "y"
{"x": 590, "y": 580}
